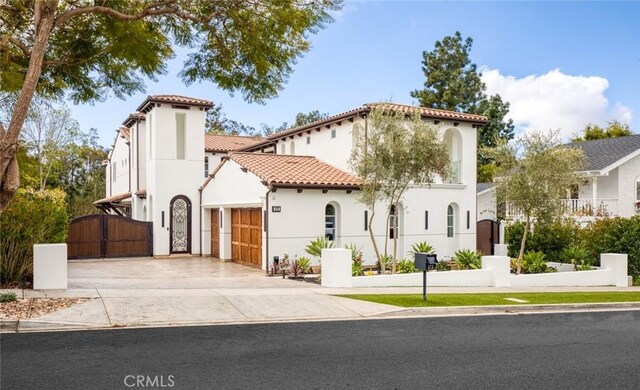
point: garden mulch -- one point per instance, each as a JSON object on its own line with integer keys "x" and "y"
{"x": 35, "y": 307}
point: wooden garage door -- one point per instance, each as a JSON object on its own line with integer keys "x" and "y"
{"x": 246, "y": 236}
{"x": 215, "y": 233}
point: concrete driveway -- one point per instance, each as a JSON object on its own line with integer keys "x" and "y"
{"x": 172, "y": 273}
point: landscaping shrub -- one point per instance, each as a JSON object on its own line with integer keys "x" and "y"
{"x": 535, "y": 263}
{"x": 305, "y": 265}
{"x": 356, "y": 259}
{"x": 615, "y": 235}
{"x": 468, "y": 259}
{"x": 387, "y": 262}
{"x": 421, "y": 247}
{"x": 406, "y": 266}
{"x": 316, "y": 246}
{"x": 8, "y": 297}
{"x": 549, "y": 238}
{"x": 576, "y": 255}
{"x": 33, "y": 217}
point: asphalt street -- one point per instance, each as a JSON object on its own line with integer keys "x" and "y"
{"x": 542, "y": 351}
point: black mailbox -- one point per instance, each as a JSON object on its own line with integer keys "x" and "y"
{"x": 425, "y": 261}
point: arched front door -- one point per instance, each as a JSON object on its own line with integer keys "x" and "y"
{"x": 180, "y": 225}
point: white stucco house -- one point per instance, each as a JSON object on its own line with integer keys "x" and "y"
{"x": 611, "y": 186}
{"x": 264, "y": 197}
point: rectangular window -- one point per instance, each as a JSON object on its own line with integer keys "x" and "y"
{"x": 180, "y": 136}
{"x": 366, "y": 220}
{"x": 468, "y": 219}
{"x": 333, "y": 133}
{"x": 206, "y": 166}
{"x": 638, "y": 190}
{"x": 449, "y": 221}
{"x": 426, "y": 220}
{"x": 308, "y": 140}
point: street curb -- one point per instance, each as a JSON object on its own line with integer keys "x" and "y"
{"x": 423, "y": 312}
{"x": 9, "y": 325}
{"x": 455, "y": 310}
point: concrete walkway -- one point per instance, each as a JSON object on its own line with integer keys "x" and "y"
{"x": 199, "y": 291}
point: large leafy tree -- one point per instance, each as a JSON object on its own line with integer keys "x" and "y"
{"x": 88, "y": 49}
{"x": 395, "y": 151}
{"x": 497, "y": 129}
{"x": 452, "y": 81}
{"x": 614, "y": 129}
{"x": 535, "y": 173}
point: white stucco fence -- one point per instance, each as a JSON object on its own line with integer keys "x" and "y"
{"x": 495, "y": 272}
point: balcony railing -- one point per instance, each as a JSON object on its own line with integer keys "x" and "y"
{"x": 603, "y": 207}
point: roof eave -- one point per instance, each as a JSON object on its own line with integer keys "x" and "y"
{"x": 315, "y": 186}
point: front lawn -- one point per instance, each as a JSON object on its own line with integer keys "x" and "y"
{"x": 439, "y": 300}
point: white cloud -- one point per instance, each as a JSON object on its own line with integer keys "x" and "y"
{"x": 555, "y": 100}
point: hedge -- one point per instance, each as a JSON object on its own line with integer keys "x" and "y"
{"x": 609, "y": 235}
{"x": 33, "y": 217}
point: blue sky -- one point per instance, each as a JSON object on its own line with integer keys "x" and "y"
{"x": 560, "y": 64}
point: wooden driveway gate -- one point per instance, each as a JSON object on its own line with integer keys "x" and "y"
{"x": 103, "y": 235}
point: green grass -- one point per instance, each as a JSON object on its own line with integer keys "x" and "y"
{"x": 439, "y": 300}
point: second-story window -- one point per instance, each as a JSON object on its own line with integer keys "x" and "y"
{"x": 333, "y": 133}
{"x": 308, "y": 140}
{"x": 206, "y": 166}
{"x": 181, "y": 143}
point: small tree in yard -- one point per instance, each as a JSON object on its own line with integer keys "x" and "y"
{"x": 535, "y": 173}
{"x": 393, "y": 151}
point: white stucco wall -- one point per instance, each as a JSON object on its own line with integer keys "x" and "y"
{"x": 168, "y": 177}
{"x": 486, "y": 205}
{"x": 629, "y": 173}
{"x": 118, "y": 183}
{"x": 337, "y": 151}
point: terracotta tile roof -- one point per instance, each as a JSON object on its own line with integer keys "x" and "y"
{"x": 113, "y": 199}
{"x": 125, "y": 133}
{"x": 365, "y": 109}
{"x": 430, "y": 112}
{"x": 294, "y": 171}
{"x": 175, "y": 99}
{"x": 133, "y": 117}
{"x": 227, "y": 142}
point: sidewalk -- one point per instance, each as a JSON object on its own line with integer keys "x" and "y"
{"x": 154, "y": 307}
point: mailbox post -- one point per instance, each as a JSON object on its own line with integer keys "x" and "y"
{"x": 425, "y": 262}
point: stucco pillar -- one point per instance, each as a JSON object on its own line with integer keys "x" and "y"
{"x": 336, "y": 267}
{"x": 501, "y": 249}
{"x": 500, "y": 269}
{"x": 617, "y": 264}
{"x": 50, "y": 266}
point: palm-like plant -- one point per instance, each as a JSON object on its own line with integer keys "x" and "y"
{"x": 316, "y": 246}
{"x": 421, "y": 247}
{"x": 575, "y": 255}
{"x": 468, "y": 259}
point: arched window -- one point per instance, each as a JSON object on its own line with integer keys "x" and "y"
{"x": 283, "y": 149}
{"x": 292, "y": 148}
{"x": 450, "y": 219}
{"x": 330, "y": 221}
{"x": 453, "y": 140}
{"x": 637, "y": 189}
{"x": 393, "y": 223}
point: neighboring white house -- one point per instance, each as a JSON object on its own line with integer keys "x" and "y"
{"x": 272, "y": 196}
{"x": 611, "y": 186}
